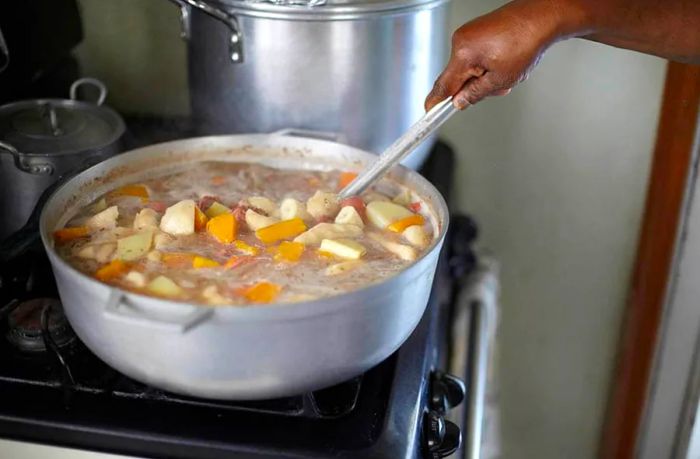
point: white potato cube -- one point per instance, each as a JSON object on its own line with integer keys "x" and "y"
{"x": 382, "y": 213}
{"x": 405, "y": 252}
{"x": 136, "y": 246}
{"x": 179, "y": 218}
{"x": 291, "y": 208}
{"x": 146, "y": 218}
{"x": 136, "y": 279}
{"x": 101, "y": 253}
{"x": 266, "y": 205}
{"x": 154, "y": 255}
{"x": 212, "y": 296}
{"x": 348, "y": 216}
{"x": 104, "y": 220}
{"x": 416, "y": 235}
{"x": 162, "y": 240}
{"x": 328, "y": 231}
{"x": 164, "y": 286}
{"x": 343, "y": 248}
{"x": 322, "y": 204}
{"x": 255, "y": 221}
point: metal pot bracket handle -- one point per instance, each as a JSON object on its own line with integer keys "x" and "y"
{"x": 321, "y": 135}
{"x": 118, "y": 308}
{"x": 92, "y": 82}
{"x": 23, "y": 163}
{"x": 4, "y": 53}
{"x": 235, "y": 43}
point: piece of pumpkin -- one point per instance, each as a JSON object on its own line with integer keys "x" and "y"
{"x": 289, "y": 251}
{"x": 71, "y": 233}
{"x": 139, "y": 191}
{"x": 285, "y": 229}
{"x": 345, "y": 179}
{"x": 223, "y": 228}
{"x": 112, "y": 270}
{"x": 262, "y": 292}
{"x": 246, "y": 248}
{"x": 400, "y": 225}
{"x": 204, "y": 262}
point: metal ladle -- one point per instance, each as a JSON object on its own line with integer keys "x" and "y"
{"x": 409, "y": 141}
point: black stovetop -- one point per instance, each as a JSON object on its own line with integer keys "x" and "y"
{"x": 68, "y": 397}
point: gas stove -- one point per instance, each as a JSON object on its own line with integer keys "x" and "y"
{"x": 53, "y": 390}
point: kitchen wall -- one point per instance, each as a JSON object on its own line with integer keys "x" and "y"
{"x": 554, "y": 173}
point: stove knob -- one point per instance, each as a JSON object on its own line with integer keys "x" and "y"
{"x": 446, "y": 391}
{"x": 442, "y": 438}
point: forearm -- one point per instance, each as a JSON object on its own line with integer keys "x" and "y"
{"x": 666, "y": 28}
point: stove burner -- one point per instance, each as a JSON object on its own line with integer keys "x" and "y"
{"x": 27, "y": 326}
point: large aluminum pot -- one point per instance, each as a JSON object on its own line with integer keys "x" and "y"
{"x": 239, "y": 352}
{"x": 41, "y": 139}
{"x": 358, "y": 67}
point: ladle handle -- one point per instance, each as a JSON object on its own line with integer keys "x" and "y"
{"x": 409, "y": 141}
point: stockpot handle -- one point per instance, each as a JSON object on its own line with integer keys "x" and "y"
{"x": 235, "y": 43}
{"x": 23, "y": 163}
{"x": 102, "y": 95}
{"x": 4, "y": 53}
{"x": 189, "y": 316}
{"x": 321, "y": 135}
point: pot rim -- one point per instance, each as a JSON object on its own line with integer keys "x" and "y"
{"x": 301, "y": 309}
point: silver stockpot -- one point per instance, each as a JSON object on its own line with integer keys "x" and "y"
{"x": 255, "y": 352}
{"x": 42, "y": 139}
{"x": 358, "y": 67}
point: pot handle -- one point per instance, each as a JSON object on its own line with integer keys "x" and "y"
{"x": 23, "y": 164}
{"x": 118, "y": 308}
{"x": 321, "y": 135}
{"x": 89, "y": 81}
{"x": 235, "y": 43}
{"x": 4, "y": 53}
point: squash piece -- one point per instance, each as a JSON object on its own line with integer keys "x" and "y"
{"x": 135, "y": 246}
{"x": 262, "y": 292}
{"x": 223, "y": 228}
{"x": 285, "y": 229}
{"x": 71, "y": 233}
{"x": 112, "y": 270}
{"x": 383, "y": 213}
{"x": 399, "y": 225}
{"x": 216, "y": 209}
{"x": 200, "y": 219}
{"x": 289, "y": 251}
{"x": 345, "y": 179}
{"x": 139, "y": 191}
{"x": 204, "y": 262}
{"x": 343, "y": 248}
{"x": 246, "y": 248}
{"x": 179, "y": 218}
{"x": 164, "y": 286}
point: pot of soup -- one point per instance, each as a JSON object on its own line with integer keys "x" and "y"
{"x": 225, "y": 267}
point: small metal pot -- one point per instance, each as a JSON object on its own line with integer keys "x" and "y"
{"x": 41, "y": 139}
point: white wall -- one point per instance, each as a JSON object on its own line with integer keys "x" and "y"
{"x": 555, "y": 174}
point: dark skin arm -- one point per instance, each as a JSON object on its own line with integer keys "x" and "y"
{"x": 495, "y": 52}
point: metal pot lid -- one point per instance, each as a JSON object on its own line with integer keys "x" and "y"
{"x": 59, "y": 126}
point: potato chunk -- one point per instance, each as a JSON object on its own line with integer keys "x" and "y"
{"x": 164, "y": 286}
{"x": 405, "y": 252}
{"x": 179, "y": 218}
{"x": 382, "y": 213}
{"x": 255, "y": 221}
{"x": 328, "y": 231}
{"x": 101, "y": 253}
{"x": 323, "y": 204}
{"x": 416, "y": 235}
{"x": 349, "y": 216}
{"x": 343, "y": 248}
{"x": 146, "y": 218}
{"x": 136, "y": 279}
{"x": 136, "y": 246}
{"x": 104, "y": 220}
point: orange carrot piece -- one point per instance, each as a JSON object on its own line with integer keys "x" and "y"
{"x": 345, "y": 179}
{"x": 262, "y": 292}
{"x": 400, "y": 225}
{"x": 289, "y": 251}
{"x": 200, "y": 219}
{"x": 112, "y": 270}
{"x": 223, "y": 228}
{"x": 69, "y": 234}
{"x": 286, "y": 229}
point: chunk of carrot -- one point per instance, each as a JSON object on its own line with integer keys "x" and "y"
{"x": 345, "y": 179}
{"x": 289, "y": 251}
{"x": 112, "y": 270}
{"x": 223, "y": 228}
{"x": 69, "y": 234}
{"x": 400, "y": 225}
{"x": 262, "y": 292}
{"x": 286, "y": 229}
{"x": 200, "y": 219}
